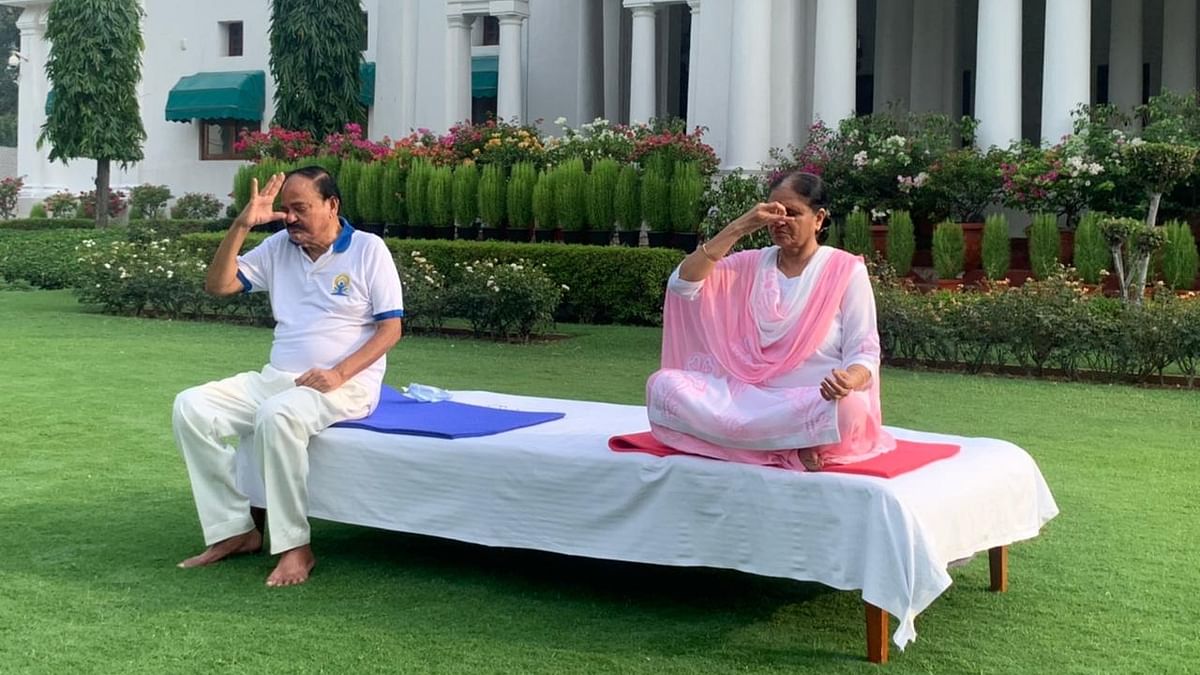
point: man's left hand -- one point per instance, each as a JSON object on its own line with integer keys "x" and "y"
{"x": 320, "y": 379}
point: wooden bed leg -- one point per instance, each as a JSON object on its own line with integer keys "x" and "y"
{"x": 998, "y": 562}
{"x": 260, "y": 518}
{"x": 877, "y": 634}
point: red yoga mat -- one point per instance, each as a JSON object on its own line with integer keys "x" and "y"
{"x": 908, "y": 455}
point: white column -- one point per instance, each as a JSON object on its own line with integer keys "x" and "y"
{"x": 31, "y": 104}
{"x": 510, "y": 94}
{"x": 788, "y": 56}
{"x": 998, "y": 72}
{"x": 642, "y": 80}
{"x": 749, "y": 85}
{"x": 458, "y": 68}
{"x": 1179, "y": 46}
{"x": 693, "y": 62}
{"x": 893, "y": 53}
{"x": 834, "y": 75}
{"x": 612, "y": 60}
{"x": 396, "y": 61}
{"x": 1066, "y": 68}
{"x": 1125, "y": 54}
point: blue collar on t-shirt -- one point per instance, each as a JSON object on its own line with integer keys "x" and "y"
{"x": 343, "y": 240}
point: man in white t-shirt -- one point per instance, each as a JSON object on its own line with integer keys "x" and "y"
{"x": 336, "y": 298}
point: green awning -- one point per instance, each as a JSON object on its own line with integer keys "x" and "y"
{"x": 484, "y": 76}
{"x": 238, "y": 95}
{"x": 366, "y": 83}
{"x": 49, "y": 102}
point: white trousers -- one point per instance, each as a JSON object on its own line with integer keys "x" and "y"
{"x": 282, "y": 417}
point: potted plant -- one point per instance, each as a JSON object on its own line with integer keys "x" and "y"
{"x": 949, "y": 253}
{"x": 601, "y": 188}
{"x": 543, "y": 203}
{"x": 440, "y": 199}
{"x": 856, "y": 233}
{"x": 415, "y": 202}
{"x": 1092, "y": 255}
{"x": 687, "y": 188}
{"x": 392, "y": 200}
{"x": 570, "y": 199}
{"x": 627, "y": 206}
{"x": 656, "y": 204}
{"x": 962, "y": 184}
{"x": 492, "y": 191}
{"x": 466, "y": 201}
{"x": 367, "y": 198}
{"x": 521, "y": 185}
{"x": 1179, "y": 256}
{"x": 1044, "y": 245}
{"x": 1133, "y": 241}
{"x": 995, "y": 247}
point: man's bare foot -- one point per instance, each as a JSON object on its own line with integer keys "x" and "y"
{"x": 293, "y": 568}
{"x": 247, "y": 542}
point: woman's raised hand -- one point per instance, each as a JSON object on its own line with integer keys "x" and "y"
{"x": 260, "y": 210}
{"x": 760, "y": 216}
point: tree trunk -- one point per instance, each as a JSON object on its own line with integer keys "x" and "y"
{"x": 1119, "y": 265}
{"x": 102, "y": 179}
{"x": 1152, "y": 212}
{"x": 1138, "y": 288}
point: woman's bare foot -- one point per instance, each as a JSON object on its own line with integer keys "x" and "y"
{"x": 293, "y": 568}
{"x": 810, "y": 458}
{"x": 247, "y": 542}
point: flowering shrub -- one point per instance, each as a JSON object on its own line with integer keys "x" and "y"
{"x": 61, "y": 205}
{"x": 495, "y": 142}
{"x": 961, "y": 184}
{"x": 424, "y": 146}
{"x": 425, "y": 294}
{"x": 673, "y": 146}
{"x": 505, "y": 299}
{"x": 10, "y": 189}
{"x": 87, "y": 203}
{"x": 1062, "y": 179}
{"x": 148, "y": 201}
{"x": 591, "y": 142}
{"x": 157, "y": 276}
{"x": 196, "y": 205}
{"x": 276, "y": 143}
{"x": 351, "y": 145}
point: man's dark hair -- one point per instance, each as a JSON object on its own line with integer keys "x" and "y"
{"x": 807, "y": 186}
{"x": 324, "y": 183}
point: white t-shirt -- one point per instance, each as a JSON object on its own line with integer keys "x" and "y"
{"x": 325, "y": 309}
{"x": 852, "y": 338}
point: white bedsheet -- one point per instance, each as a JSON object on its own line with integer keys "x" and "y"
{"x": 557, "y": 487}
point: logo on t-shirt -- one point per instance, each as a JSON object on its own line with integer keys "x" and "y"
{"x": 341, "y": 284}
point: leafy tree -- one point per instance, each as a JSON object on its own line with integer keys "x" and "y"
{"x": 315, "y": 59}
{"x": 10, "y": 39}
{"x": 94, "y": 67}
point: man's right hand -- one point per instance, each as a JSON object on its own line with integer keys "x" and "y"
{"x": 260, "y": 210}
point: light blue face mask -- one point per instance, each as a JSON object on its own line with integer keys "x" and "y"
{"x": 425, "y": 392}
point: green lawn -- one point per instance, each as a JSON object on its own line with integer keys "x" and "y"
{"x": 95, "y": 510}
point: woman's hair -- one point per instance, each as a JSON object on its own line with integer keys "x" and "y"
{"x": 324, "y": 183}
{"x": 807, "y": 186}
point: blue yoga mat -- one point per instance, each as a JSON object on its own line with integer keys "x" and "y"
{"x": 398, "y": 414}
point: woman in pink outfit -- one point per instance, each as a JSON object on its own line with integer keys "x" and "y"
{"x": 771, "y": 356}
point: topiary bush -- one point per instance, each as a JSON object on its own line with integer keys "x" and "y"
{"x": 440, "y": 197}
{"x": 996, "y": 249}
{"x": 519, "y": 200}
{"x": 1044, "y": 245}
{"x": 148, "y": 201}
{"x": 856, "y": 233}
{"x": 949, "y": 250}
{"x": 601, "y": 193}
{"x": 466, "y": 194}
{"x": 687, "y": 189}
{"x": 1091, "y": 254}
{"x": 570, "y": 194}
{"x": 543, "y": 201}
{"x": 492, "y": 193}
{"x": 627, "y": 202}
{"x": 1179, "y": 256}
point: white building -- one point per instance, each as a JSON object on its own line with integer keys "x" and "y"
{"x": 755, "y": 72}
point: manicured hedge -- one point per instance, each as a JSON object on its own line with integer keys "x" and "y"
{"x": 608, "y": 284}
{"x": 171, "y": 226}
{"x": 47, "y": 258}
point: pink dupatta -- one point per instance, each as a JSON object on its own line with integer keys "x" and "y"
{"x": 711, "y": 395}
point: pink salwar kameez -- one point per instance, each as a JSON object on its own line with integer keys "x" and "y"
{"x": 745, "y": 351}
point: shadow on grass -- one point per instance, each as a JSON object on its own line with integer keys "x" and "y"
{"x": 127, "y": 545}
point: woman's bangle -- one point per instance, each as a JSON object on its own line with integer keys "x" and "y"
{"x": 704, "y": 250}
